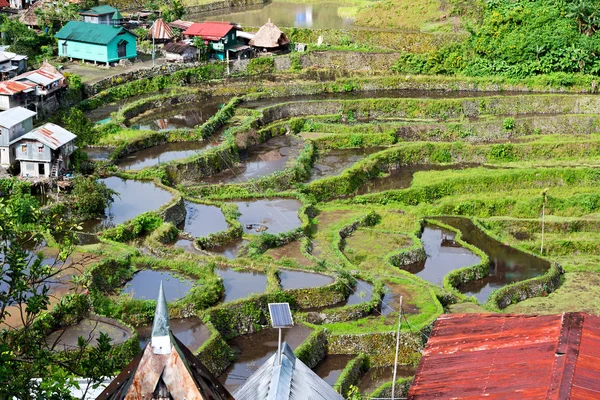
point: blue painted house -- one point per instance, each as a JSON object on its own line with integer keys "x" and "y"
{"x": 96, "y": 42}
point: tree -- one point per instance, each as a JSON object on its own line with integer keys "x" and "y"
{"x": 173, "y": 11}
{"x": 91, "y": 197}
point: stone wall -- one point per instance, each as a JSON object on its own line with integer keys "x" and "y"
{"x": 313, "y": 349}
{"x": 380, "y": 347}
{"x": 175, "y": 213}
{"x": 349, "y": 60}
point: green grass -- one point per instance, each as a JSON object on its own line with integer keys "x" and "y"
{"x": 367, "y": 248}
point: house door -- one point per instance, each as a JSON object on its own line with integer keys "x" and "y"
{"x": 41, "y": 169}
{"x": 64, "y": 48}
{"x": 122, "y": 49}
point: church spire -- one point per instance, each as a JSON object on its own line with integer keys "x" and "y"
{"x": 161, "y": 342}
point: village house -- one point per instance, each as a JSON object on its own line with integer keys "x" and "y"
{"x": 44, "y": 152}
{"x": 19, "y": 4}
{"x": 160, "y": 31}
{"x": 219, "y": 36}
{"x": 96, "y": 42}
{"x": 47, "y": 80}
{"x": 11, "y": 64}
{"x": 14, "y": 94}
{"x": 180, "y": 52}
{"x": 165, "y": 369}
{"x": 105, "y": 15}
{"x": 14, "y": 123}
{"x": 270, "y": 38}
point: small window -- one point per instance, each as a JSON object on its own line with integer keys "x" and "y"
{"x": 40, "y": 148}
{"x": 24, "y": 148}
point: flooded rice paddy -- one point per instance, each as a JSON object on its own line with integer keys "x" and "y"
{"x": 231, "y": 249}
{"x": 363, "y": 291}
{"x": 164, "y": 153}
{"x": 240, "y": 284}
{"x": 300, "y": 279}
{"x": 507, "y": 264}
{"x": 276, "y": 215}
{"x": 180, "y": 116}
{"x": 89, "y": 329}
{"x": 330, "y": 368}
{"x": 146, "y": 282}
{"x": 202, "y": 219}
{"x": 190, "y": 331}
{"x": 334, "y": 162}
{"x": 377, "y": 376}
{"x": 251, "y": 351}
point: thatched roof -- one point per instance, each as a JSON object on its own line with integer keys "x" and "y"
{"x": 28, "y": 17}
{"x": 269, "y": 36}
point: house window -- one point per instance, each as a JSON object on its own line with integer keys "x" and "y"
{"x": 24, "y": 148}
{"x": 40, "y": 148}
{"x": 122, "y": 49}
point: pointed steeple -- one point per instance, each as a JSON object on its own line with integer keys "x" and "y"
{"x": 161, "y": 342}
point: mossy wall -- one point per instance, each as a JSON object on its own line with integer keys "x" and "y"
{"x": 215, "y": 354}
{"x": 313, "y": 349}
{"x": 352, "y": 374}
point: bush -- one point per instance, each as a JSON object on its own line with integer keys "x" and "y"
{"x": 90, "y": 196}
{"x": 261, "y": 66}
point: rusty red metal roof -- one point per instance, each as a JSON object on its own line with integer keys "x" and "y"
{"x": 209, "y": 30}
{"x": 499, "y": 356}
{"x": 14, "y": 87}
{"x": 160, "y": 30}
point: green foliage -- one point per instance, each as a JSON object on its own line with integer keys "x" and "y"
{"x": 173, "y": 11}
{"x": 23, "y": 40}
{"x": 502, "y": 151}
{"x": 90, "y": 196}
{"x": 74, "y": 120}
{"x": 140, "y": 225}
{"x": 261, "y": 66}
{"x": 508, "y": 124}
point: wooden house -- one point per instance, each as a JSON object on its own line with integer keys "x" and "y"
{"x": 44, "y": 152}
{"x": 96, "y": 42}
{"x": 32, "y": 88}
{"x": 15, "y": 94}
{"x": 219, "y": 36}
{"x": 270, "y": 38}
{"x": 180, "y": 52}
{"x": 105, "y": 15}
{"x": 14, "y": 123}
{"x": 11, "y": 64}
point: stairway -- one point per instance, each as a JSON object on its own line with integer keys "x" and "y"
{"x": 54, "y": 170}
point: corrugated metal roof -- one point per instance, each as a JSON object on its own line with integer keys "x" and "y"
{"x": 86, "y": 32}
{"x": 177, "y": 48}
{"x": 10, "y": 118}
{"x": 290, "y": 379}
{"x": 100, "y": 10}
{"x": 209, "y": 30}
{"x": 13, "y": 87}
{"x": 511, "y": 356}
{"x": 180, "y": 24}
{"x": 51, "y": 135}
{"x": 160, "y": 30}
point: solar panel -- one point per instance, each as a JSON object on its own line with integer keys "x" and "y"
{"x": 281, "y": 316}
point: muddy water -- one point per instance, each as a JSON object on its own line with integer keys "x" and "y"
{"x": 441, "y": 258}
{"x": 377, "y": 376}
{"x": 390, "y": 302}
{"x": 230, "y": 250}
{"x": 335, "y": 161}
{"x": 330, "y": 368}
{"x": 202, "y": 219}
{"x": 164, "y": 153}
{"x": 260, "y": 160}
{"x": 277, "y": 215}
{"x": 507, "y": 264}
{"x": 127, "y": 204}
{"x": 363, "y": 291}
{"x": 402, "y": 177}
{"x": 300, "y": 279}
{"x": 145, "y": 284}
{"x": 187, "y": 245}
{"x": 286, "y": 14}
{"x": 190, "y": 331}
{"x": 181, "y": 116}
{"x": 66, "y": 339}
{"x": 98, "y": 153}
{"x": 254, "y": 349}
{"x": 377, "y": 94}
{"x": 242, "y": 283}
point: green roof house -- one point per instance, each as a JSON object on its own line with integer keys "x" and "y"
{"x": 105, "y": 15}
{"x": 96, "y": 42}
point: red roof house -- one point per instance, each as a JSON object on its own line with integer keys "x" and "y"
{"x": 209, "y": 30}
{"x": 504, "y": 356}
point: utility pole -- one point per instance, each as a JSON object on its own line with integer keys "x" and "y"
{"x": 543, "y": 219}
{"x": 397, "y": 347}
{"x": 153, "y": 51}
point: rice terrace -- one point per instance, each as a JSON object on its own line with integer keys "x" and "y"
{"x": 387, "y": 168}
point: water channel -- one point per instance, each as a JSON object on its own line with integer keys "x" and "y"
{"x": 254, "y": 349}
{"x": 507, "y": 264}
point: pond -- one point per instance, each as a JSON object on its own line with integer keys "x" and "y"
{"x": 253, "y": 350}
{"x": 190, "y": 331}
{"x": 202, "y": 219}
{"x": 334, "y": 162}
{"x": 260, "y": 160}
{"x": 164, "y": 153}
{"x": 443, "y": 255}
{"x": 127, "y": 204}
{"x": 90, "y": 329}
{"x": 377, "y": 376}
{"x": 180, "y": 116}
{"x": 276, "y": 215}
{"x": 240, "y": 284}
{"x": 330, "y": 368}
{"x": 286, "y": 14}
{"x": 300, "y": 279}
{"x": 146, "y": 282}
{"x": 507, "y": 264}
